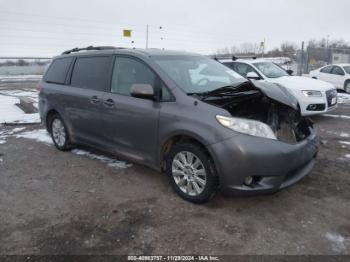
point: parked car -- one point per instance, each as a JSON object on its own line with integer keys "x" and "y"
{"x": 338, "y": 75}
{"x": 314, "y": 96}
{"x": 201, "y": 123}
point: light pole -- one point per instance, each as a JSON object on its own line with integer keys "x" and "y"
{"x": 146, "y": 36}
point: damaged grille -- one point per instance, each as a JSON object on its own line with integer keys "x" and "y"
{"x": 289, "y": 126}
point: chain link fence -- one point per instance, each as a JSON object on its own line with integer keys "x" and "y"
{"x": 315, "y": 57}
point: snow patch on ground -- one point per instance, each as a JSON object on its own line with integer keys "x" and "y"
{"x": 20, "y": 93}
{"x": 343, "y": 98}
{"x": 337, "y": 241}
{"x": 17, "y": 129}
{"x": 10, "y": 113}
{"x": 32, "y": 94}
{"x": 4, "y": 134}
{"x": 15, "y": 78}
{"x": 109, "y": 161}
{"x": 344, "y": 142}
{"x": 347, "y": 156}
{"x": 341, "y": 134}
{"x": 39, "y": 135}
{"x": 20, "y": 76}
{"x": 337, "y": 116}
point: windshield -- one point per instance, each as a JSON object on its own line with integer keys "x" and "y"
{"x": 270, "y": 70}
{"x": 197, "y": 74}
{"x": 347, "y": 69}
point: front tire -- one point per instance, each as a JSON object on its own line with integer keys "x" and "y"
{"x": 191, "y": 172}
{"x": 59, "y": 133}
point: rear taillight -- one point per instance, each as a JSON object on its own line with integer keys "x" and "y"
{"x": 39, "y": 88}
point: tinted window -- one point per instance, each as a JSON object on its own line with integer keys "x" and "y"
{"x": 347, "y": 69}
{"x": 337, "y": 70}
{"x": 326, "y": 69}
{"x": 58, "y": 70}
{"x": 91, "y": 73}
{"x": 129, "y": 71}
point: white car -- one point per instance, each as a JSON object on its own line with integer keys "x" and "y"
{"x": 314, "y": 96}
{"x": 338, "y": 75}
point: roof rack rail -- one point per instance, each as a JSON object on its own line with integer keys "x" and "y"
{"x": 233, "y": 57}
{"x": 90, "y": 48}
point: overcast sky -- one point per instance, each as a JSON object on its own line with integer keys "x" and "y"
{"x": 45, "y": 28}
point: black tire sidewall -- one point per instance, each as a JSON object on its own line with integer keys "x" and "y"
{"x": 209, "y": 189}
{"x": 347, "y": 83}
{"x": 65, "y": 147}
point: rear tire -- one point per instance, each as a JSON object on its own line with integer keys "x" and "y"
{"x": 191, "y": 172}
{"x": 347, "y": 86}
{"x": 59, "y": 133}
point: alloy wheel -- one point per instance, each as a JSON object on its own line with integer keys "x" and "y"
{"x": 58, "y": 132}
{"x": 189, "y": 173}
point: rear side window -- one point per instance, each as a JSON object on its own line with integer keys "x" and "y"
{"x": 347, "y": 69}
{"x": 58, "y": 70}
{"x": 91, "y": 73}
{"x": 337, "y": 71}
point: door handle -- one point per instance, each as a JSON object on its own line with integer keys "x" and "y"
{"x": 109, "y": 103}
{"x": 94, "y": 100}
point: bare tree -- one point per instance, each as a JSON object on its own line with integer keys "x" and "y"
{"x": 324, "y": 43}
{"x": 249, "y": 48}
{"x": 287, "y": 49}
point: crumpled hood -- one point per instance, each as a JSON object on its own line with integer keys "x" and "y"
{"x": 302, "y": 83}
{"x": 277, "y": 92}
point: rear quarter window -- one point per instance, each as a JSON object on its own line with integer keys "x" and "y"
{"x": 58, "y": 70}
{"x": 347, "y": 69}
{"x": 91, "y": 72}
{"x": 326, "y": 69}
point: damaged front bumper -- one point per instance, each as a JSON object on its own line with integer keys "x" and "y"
{"x": 272, "y": 164}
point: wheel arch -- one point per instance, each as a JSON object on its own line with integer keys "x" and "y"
{"x": 181, "y": 138}
{"x": 49, "y": 115}
{"x": 346, "y": 82}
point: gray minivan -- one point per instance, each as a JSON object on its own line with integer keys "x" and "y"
{"x": 184, "y": 114}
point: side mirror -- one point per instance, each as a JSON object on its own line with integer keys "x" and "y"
{"x": 144, "y": 91}
{"x": 290, "y": 72}
{"x": 253, "y": 75}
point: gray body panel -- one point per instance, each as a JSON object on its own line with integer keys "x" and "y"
{"x": 137, "y": 129}
{"x": 131, "y": 127}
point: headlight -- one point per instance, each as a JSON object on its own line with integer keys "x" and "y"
{"x": 245, "y": 126}
{"x": 311, "y": 93}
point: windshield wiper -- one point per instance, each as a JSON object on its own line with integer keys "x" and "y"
{"x": 215, "y": 91}
{"x": 221, "y": 91}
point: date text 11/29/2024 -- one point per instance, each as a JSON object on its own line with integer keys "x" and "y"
{"x": 173, "y": 258}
